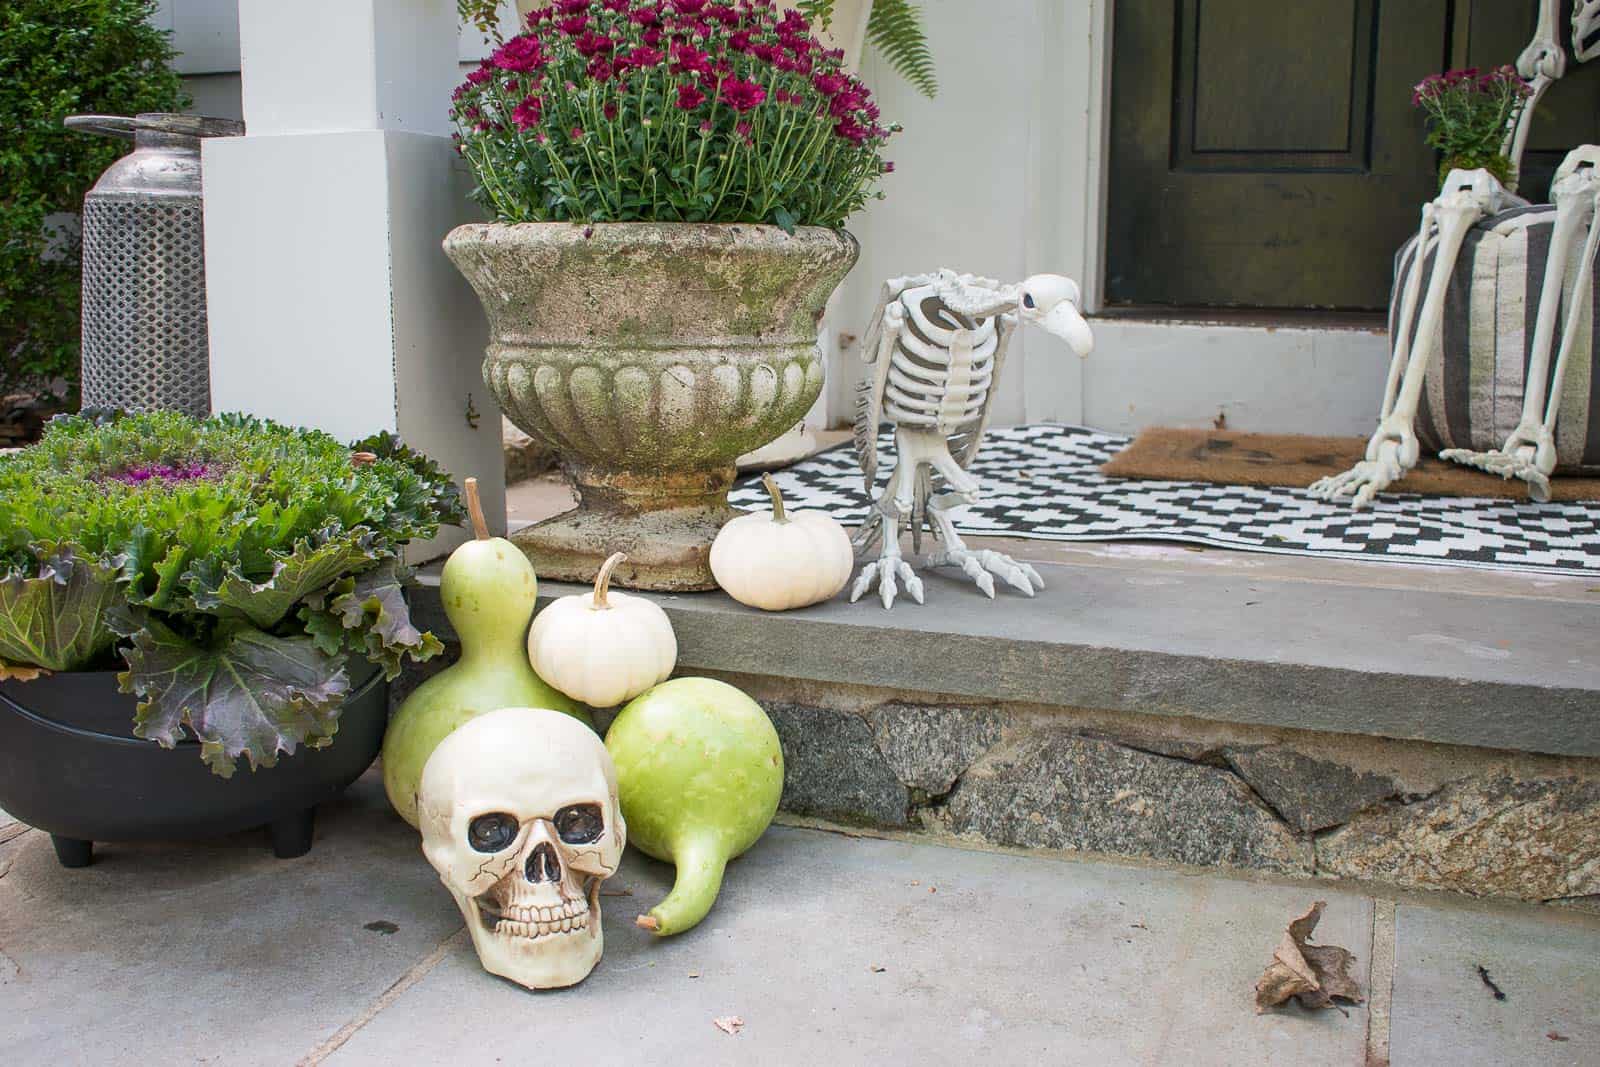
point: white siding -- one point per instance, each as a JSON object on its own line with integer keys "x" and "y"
{"x": 1003, "y": 174}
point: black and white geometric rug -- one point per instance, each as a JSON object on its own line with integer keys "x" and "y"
{"x": 1043, "y": 481}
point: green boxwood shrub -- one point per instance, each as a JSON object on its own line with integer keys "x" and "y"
{"x": 59, "y": 58}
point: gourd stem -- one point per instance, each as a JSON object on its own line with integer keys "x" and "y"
{"x": 602, "y": 581}
{"x": 480, "y": 527}
{"x": 777, "y": 498}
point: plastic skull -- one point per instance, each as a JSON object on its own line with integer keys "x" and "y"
{"x": 519, "y": 816}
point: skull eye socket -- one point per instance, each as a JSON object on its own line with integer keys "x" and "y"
{"x": 1027, "y": 301}
{"x": 579, "y": 824}
{"x": 492, "y": 833}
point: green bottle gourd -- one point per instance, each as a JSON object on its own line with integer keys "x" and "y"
{"x": 699, "y": 776}
{"x": 489, "y": 591}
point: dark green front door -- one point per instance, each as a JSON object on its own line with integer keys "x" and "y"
{"x": 1266, "y": 154}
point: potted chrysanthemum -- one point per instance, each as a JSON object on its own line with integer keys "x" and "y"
{"x": 179, "y": 595}
{"x": 669, "y": 180}
{"x": 1470, "y": 115}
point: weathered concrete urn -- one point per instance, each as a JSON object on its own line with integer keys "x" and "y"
{"x": 651, "y": 355}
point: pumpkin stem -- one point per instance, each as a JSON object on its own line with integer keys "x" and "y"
{"x": 480, "y": 527}
{"x": 602, "y": 581}
{"x": 777, "y": 498}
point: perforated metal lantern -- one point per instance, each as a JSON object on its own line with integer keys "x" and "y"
{"x": 144, "y": 269}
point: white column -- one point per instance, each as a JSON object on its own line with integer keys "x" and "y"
{"x": 331, "y": 302}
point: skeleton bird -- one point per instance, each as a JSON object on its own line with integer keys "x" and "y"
{"x": 936, "y": 346}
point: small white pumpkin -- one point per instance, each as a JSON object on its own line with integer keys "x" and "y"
{"x": 782, "y": 559}
{"x": 603, "y": 648}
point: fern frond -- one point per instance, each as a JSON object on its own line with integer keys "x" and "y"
{"x": 895, "y": 29}
{"x": 483, "y": 15}
{"x": 818, "y": 12}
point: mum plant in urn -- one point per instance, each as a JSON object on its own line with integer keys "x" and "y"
{"x": 668, "y": 180}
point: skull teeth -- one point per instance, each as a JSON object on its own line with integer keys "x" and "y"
{"x": 513, "y": 920}
{"x": 513, "y": 928}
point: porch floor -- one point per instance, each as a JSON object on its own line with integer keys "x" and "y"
{"x": 1491, "y": 659}
{"x": 831, "y": 948}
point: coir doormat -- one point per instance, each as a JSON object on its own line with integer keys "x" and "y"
{"x": 1230, "y": 457}
{"x": 1044, "y": 481}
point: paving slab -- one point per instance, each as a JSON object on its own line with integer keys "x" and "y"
{"x": 214, "y": 951}
{"x": 845, "y": 951}
{"x": 1546, "y": 962}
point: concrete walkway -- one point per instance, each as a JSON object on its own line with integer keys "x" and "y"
{"x": 832, "y": 949}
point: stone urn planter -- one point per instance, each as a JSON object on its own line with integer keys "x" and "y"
{"x": 651, "y": 356}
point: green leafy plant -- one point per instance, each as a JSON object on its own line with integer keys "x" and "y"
{"x": 57, "y": 58}
{"x": 483, "y": 16}
{"x": 1468, "y": 116}
{"x": 232, "y": 565}
{"x": 683, "y": 111}
{"x": 895, "y": 29}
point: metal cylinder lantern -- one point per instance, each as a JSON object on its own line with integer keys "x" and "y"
{"x": 144, "y": 271}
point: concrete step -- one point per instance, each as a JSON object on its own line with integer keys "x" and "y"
{"x": 1417, "y": 726}
{"x": 831, "y": 948}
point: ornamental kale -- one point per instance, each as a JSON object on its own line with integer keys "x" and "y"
{"x": 232, "y": 565}
{"x": 669, "y": 111}
{"x": 1469, "y": 115}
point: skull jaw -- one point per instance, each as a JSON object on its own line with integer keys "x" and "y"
{"x": 548, "y": 961}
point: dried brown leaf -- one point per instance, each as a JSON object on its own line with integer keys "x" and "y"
{"x": 1314, "y": 975}
{"x": 728, "y": 1024}
{"x": 10, "y": 672}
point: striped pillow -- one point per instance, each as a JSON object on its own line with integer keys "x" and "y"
{"x": 1472, "y": 397}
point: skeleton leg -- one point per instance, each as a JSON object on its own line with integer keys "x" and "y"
{"x": 893, "y": 508}
{"x": 1467, "y": 197}
{"x": 1542, "y": 63}
{"x": 981, "y": 566}
{"x": 1530, "y": 452}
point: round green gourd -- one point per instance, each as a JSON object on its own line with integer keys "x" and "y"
{"x": 699, "y": 774}
{"x": 489, "y": 592}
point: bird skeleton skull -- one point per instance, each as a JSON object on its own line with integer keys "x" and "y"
{"x": 519, "y": 816}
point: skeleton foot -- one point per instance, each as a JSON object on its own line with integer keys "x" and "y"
{"x": 1518, "y": 463}
{"x": 1360, "y": 484}
{"x": 982, "y": 567}
{"x": 889, "y": 570}
{"x": 1389, "y": 456}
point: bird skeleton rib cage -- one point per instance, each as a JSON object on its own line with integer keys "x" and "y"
{"x": 1467, "y": 199}
{"x": 936, "y": 346}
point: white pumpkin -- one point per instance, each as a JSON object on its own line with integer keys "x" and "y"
{"x": 603, "y": 648}
{"x": 776, "y": 560}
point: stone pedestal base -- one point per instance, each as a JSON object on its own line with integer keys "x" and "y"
{"x": 664, "y": 523}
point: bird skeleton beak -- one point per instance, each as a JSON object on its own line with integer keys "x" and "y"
{"x": 1065, "y": 322}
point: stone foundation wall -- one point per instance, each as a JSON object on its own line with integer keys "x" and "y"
{"x": 1299, "y": 803}
{"x": 1408, "y": 814}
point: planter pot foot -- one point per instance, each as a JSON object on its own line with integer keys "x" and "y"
{"x": 668, "y": 549}
{"x": 292, "y": 835}
{"x": 71, "y": 852}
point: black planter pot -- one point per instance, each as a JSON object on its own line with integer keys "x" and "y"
{"x": 70, "y": 766}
